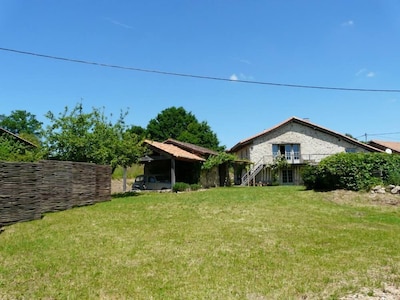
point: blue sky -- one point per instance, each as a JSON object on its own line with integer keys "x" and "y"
{"x": 341, "y": 43}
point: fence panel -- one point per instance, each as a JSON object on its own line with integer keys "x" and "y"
{"x": 27, "y": 190}
{"x": 19, "y": 199}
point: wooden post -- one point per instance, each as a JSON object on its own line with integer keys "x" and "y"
{"x": 124, "y": 181}
{"x": 173, "y": 179}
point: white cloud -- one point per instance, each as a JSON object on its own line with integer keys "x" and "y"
{"x": 365, "y": 72}
{"x": 241, "y": 76}
{"x": 233, "y": 77}
{"x": 348, "y": 23}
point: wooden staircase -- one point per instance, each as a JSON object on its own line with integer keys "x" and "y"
{"x": 251, "y": 175}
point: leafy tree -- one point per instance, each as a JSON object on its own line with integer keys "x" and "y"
{"x": 21, "y": 122}
{"x": 140, "y": 131}
{"x": 177, "y": 123}
{"x": 14, "y": 150}
{"x": 24, "y": 124}
{"x": 91, "y": 137}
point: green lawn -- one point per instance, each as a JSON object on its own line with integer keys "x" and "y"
{"x": 225, "y": 243}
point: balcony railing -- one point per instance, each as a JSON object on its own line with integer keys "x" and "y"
{"x": 296, "y": 158}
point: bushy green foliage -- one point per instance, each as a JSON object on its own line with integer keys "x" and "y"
{"x": 309, "y": 175}
{"x": 180, "y": 187}
{"x": 394, "y": 177}
{"x": 131, "y": 172}
{"x": 216, "y": 160}
{"x": 177, "y": 123}
{"x": 352, "y": 171}
{"x": 21, "y": 121}
{"x": 195, "y": 186}
{"x": 75, "y": 135}
{"x": 13, "y": 150}
{"x": 279, "y": 163}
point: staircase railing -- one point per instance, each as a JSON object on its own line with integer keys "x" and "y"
{"x": 250, "y": 175}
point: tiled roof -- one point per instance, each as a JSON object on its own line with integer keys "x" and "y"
{"x": 191, "y": 147}
{"x": 173, "y": 150}
{"x": 305, "y": 123}
{"x": 394, "y": 146}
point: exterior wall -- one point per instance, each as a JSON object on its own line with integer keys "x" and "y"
{"x": 314, "y": 144}
{"x": 209, "y": 178}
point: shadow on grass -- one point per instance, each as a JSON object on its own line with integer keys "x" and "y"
{"x": 126, "y": 194}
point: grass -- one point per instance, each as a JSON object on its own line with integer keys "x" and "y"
{"x": 224, "y": 243}
{"x": 131, "y": 172}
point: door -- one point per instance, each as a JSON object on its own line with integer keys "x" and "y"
{"x": 287, "y": 176}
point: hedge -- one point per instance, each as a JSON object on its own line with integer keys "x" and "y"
{"x": 353, "y": 171}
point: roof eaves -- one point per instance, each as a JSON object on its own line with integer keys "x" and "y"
{"x": 173, "y": 151}
{"x": 190, "y": 147}
{"x": 383, "y": 145}
{"x": 249, "y": 140}
{"x": 18, "y": 137}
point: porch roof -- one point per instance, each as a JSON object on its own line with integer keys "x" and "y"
{"x": 195, "y": 149}
{"x": 383, "y": 145}
{"x": 173, "y": 151}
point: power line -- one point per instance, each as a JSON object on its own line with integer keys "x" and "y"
{"x": 387, "y": 133}
{"x": 198, "y": 76}
{"x": 365, "y": 135}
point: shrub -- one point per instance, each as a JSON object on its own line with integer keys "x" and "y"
{"x": 195, "y": 187}
{"x": 393, "y": 178}
{"x": 353, "y": 171}
{"x": 180, "y": 187}
{"x": 309, "y": 175}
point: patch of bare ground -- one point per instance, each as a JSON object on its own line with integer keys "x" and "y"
{"x": 386, "y": 293}
{"x": 342, "y": 196}
{"x": 117, "y": 185}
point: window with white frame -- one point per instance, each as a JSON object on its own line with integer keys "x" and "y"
{"x": 290, "y": 151}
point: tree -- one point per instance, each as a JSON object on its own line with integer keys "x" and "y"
{"x": 14, "y": 150}
{"x": 24, "y": 124}
{"x": 21, "y": 122}
{"x": 177, "y": 123}
{"x": 91, "y": 137}
{"x": 140, "y": 131}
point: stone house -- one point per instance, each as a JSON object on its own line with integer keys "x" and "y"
{"x": 296, "y": 142}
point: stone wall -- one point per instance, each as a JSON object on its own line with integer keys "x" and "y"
{"x": 27, "y": 190}
{"x": 314, "y": 144}
{"x": 209, "y": 178}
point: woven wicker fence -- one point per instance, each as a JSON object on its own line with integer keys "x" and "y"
{"x": 27, "y": 190}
